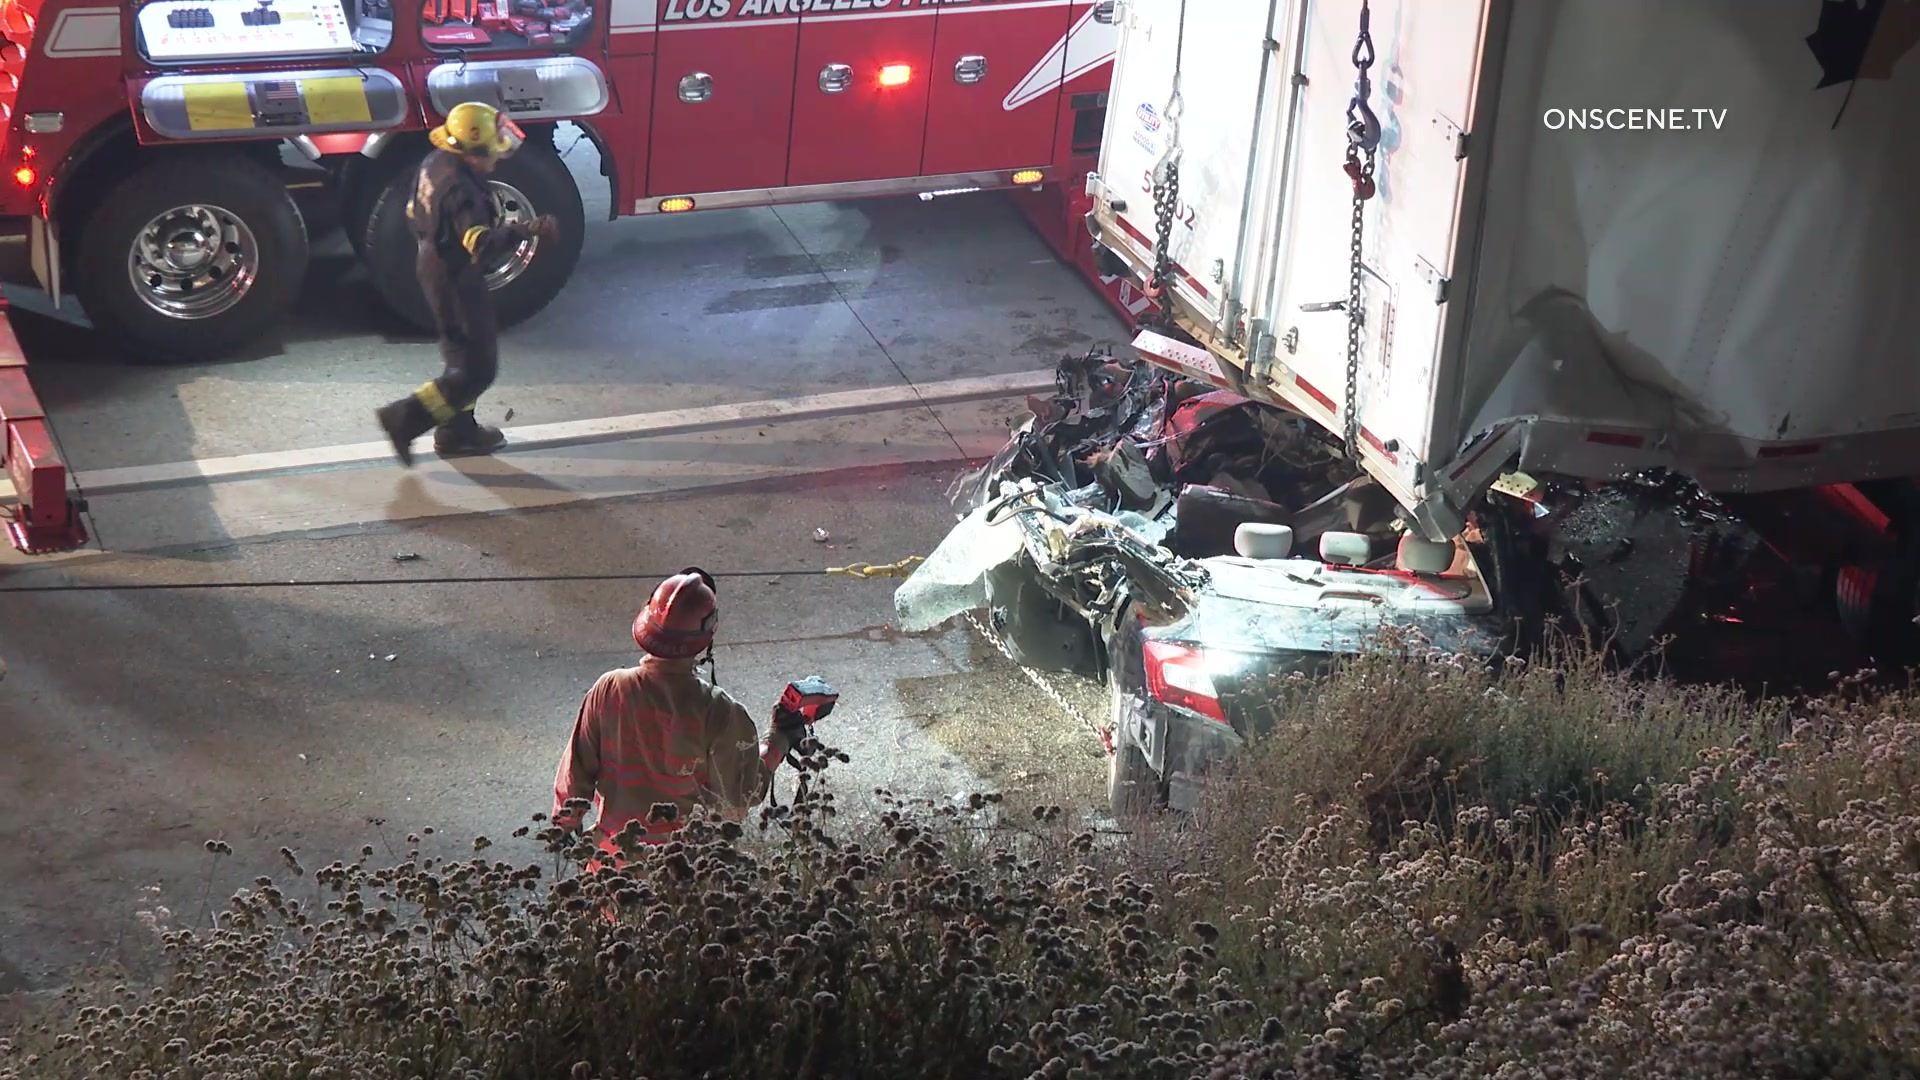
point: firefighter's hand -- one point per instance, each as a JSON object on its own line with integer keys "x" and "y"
{"x": 791, "y": 725}
{"x": 544, "y": 227}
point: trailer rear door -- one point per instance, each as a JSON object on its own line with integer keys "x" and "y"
{"x": 1427, "y": 63}
{"x": 1222, "y": 53}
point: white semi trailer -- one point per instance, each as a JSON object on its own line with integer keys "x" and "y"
{"x": 1605, "y": 235}
{"x": 1600, "y": 237}
{"x": 1488, "y": 311}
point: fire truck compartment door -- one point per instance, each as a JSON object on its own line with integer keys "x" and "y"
{"x": 994, "y": 88}
{"x": 860, "y": 93}
{"x": 723, "y": 98}
{"x": 272, "y": 103}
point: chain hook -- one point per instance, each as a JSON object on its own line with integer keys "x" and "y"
{"x": 1363, "y": 124}
{"x": 1165, "y": 183}
{"x": 1363, "y": 140}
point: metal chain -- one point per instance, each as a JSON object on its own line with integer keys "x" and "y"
{"x": 1166, "y": 197}
{"x": 1363, "y": 139}
{"x": 1166, "y": 186}
{"x": 905, "y": 567}
{"x": 1038, "y": 679}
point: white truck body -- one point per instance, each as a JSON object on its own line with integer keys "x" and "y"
{"x": 1609, "y": 234}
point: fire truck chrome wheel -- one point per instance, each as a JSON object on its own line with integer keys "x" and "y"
{"x": 524, "y": 280}
{"x": 194, "y": 262}
{"x": 515, "y": 209}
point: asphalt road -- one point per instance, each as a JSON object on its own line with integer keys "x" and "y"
{"x": 138, "y": 724}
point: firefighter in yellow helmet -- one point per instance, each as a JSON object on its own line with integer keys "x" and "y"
{"x": 460, "y": 234}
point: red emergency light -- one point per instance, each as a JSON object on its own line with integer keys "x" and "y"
{"x": 25, "y": 176}
{"x": 896, "y": 75}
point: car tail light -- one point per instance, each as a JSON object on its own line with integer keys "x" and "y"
{"x": 896, "y": 75}
{"x": 679, "y": 204}
{"x": 25, "y": 176}
{"x": 1177, "y": 675}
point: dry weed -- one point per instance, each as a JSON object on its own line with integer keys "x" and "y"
{"x": 1431, "y": 870}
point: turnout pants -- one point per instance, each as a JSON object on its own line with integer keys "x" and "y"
{"x": 469, "y": 347}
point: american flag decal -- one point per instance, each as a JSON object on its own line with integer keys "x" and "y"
{"x": 279, "y": 102}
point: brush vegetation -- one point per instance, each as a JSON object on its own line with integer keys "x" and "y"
{"x": 1430, "y": 869}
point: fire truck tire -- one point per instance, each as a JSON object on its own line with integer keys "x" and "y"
{"x": 356, "y": 208}
{"x": 191, "y": 225}
{"x": 530, "y": 183}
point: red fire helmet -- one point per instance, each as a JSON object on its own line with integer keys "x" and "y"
{"x": 679, "y": 619}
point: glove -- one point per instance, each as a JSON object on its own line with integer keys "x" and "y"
{"x": 790, "y": 725}
{"x": 544, "y": 227}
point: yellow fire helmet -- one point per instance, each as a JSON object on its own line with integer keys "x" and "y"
{"x": 477, "y": 129}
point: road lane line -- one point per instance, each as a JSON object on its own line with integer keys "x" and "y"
{"x": 319, "y": 500}
{"x": 117, "y": 481}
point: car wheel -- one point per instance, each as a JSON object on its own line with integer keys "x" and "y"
{"x": 530, "y": 183}
{"x": 1134, "y": 790}
{"x": 1132, "y": 787}
{"x": 1519, "y": 577}
{"x": 192, "y": 256}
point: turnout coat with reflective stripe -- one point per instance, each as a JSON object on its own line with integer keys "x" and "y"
{"x": 658, "y": 733}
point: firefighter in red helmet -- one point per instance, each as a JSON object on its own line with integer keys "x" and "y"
{"x": 659, "y": 733}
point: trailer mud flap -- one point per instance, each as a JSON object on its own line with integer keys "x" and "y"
{"x": 43, "y": 244}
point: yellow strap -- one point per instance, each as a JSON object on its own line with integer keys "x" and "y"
{"x": 429, "y": 395}
{"x": 471, "y": 241}
{"x": 901, "y": 569}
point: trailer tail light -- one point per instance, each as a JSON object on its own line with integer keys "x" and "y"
{"x": 896, "y": 75}
{"x": 25, "y": 176}
{"x": 1028, "y": 176}
{"x": 679, "y": 204}
{"x": 1177, "y": 675}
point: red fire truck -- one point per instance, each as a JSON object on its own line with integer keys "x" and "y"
{"x": 145, "y": 145}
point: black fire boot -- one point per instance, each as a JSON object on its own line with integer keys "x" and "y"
{"x": 464, "y": 436}
{"x": 404, "y": 421}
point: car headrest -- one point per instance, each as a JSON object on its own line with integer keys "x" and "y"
{"x": 1346, "y": 548}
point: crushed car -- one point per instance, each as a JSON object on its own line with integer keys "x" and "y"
{"x": 1189, "y": 546}
{"x": 1194, "y": 549}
